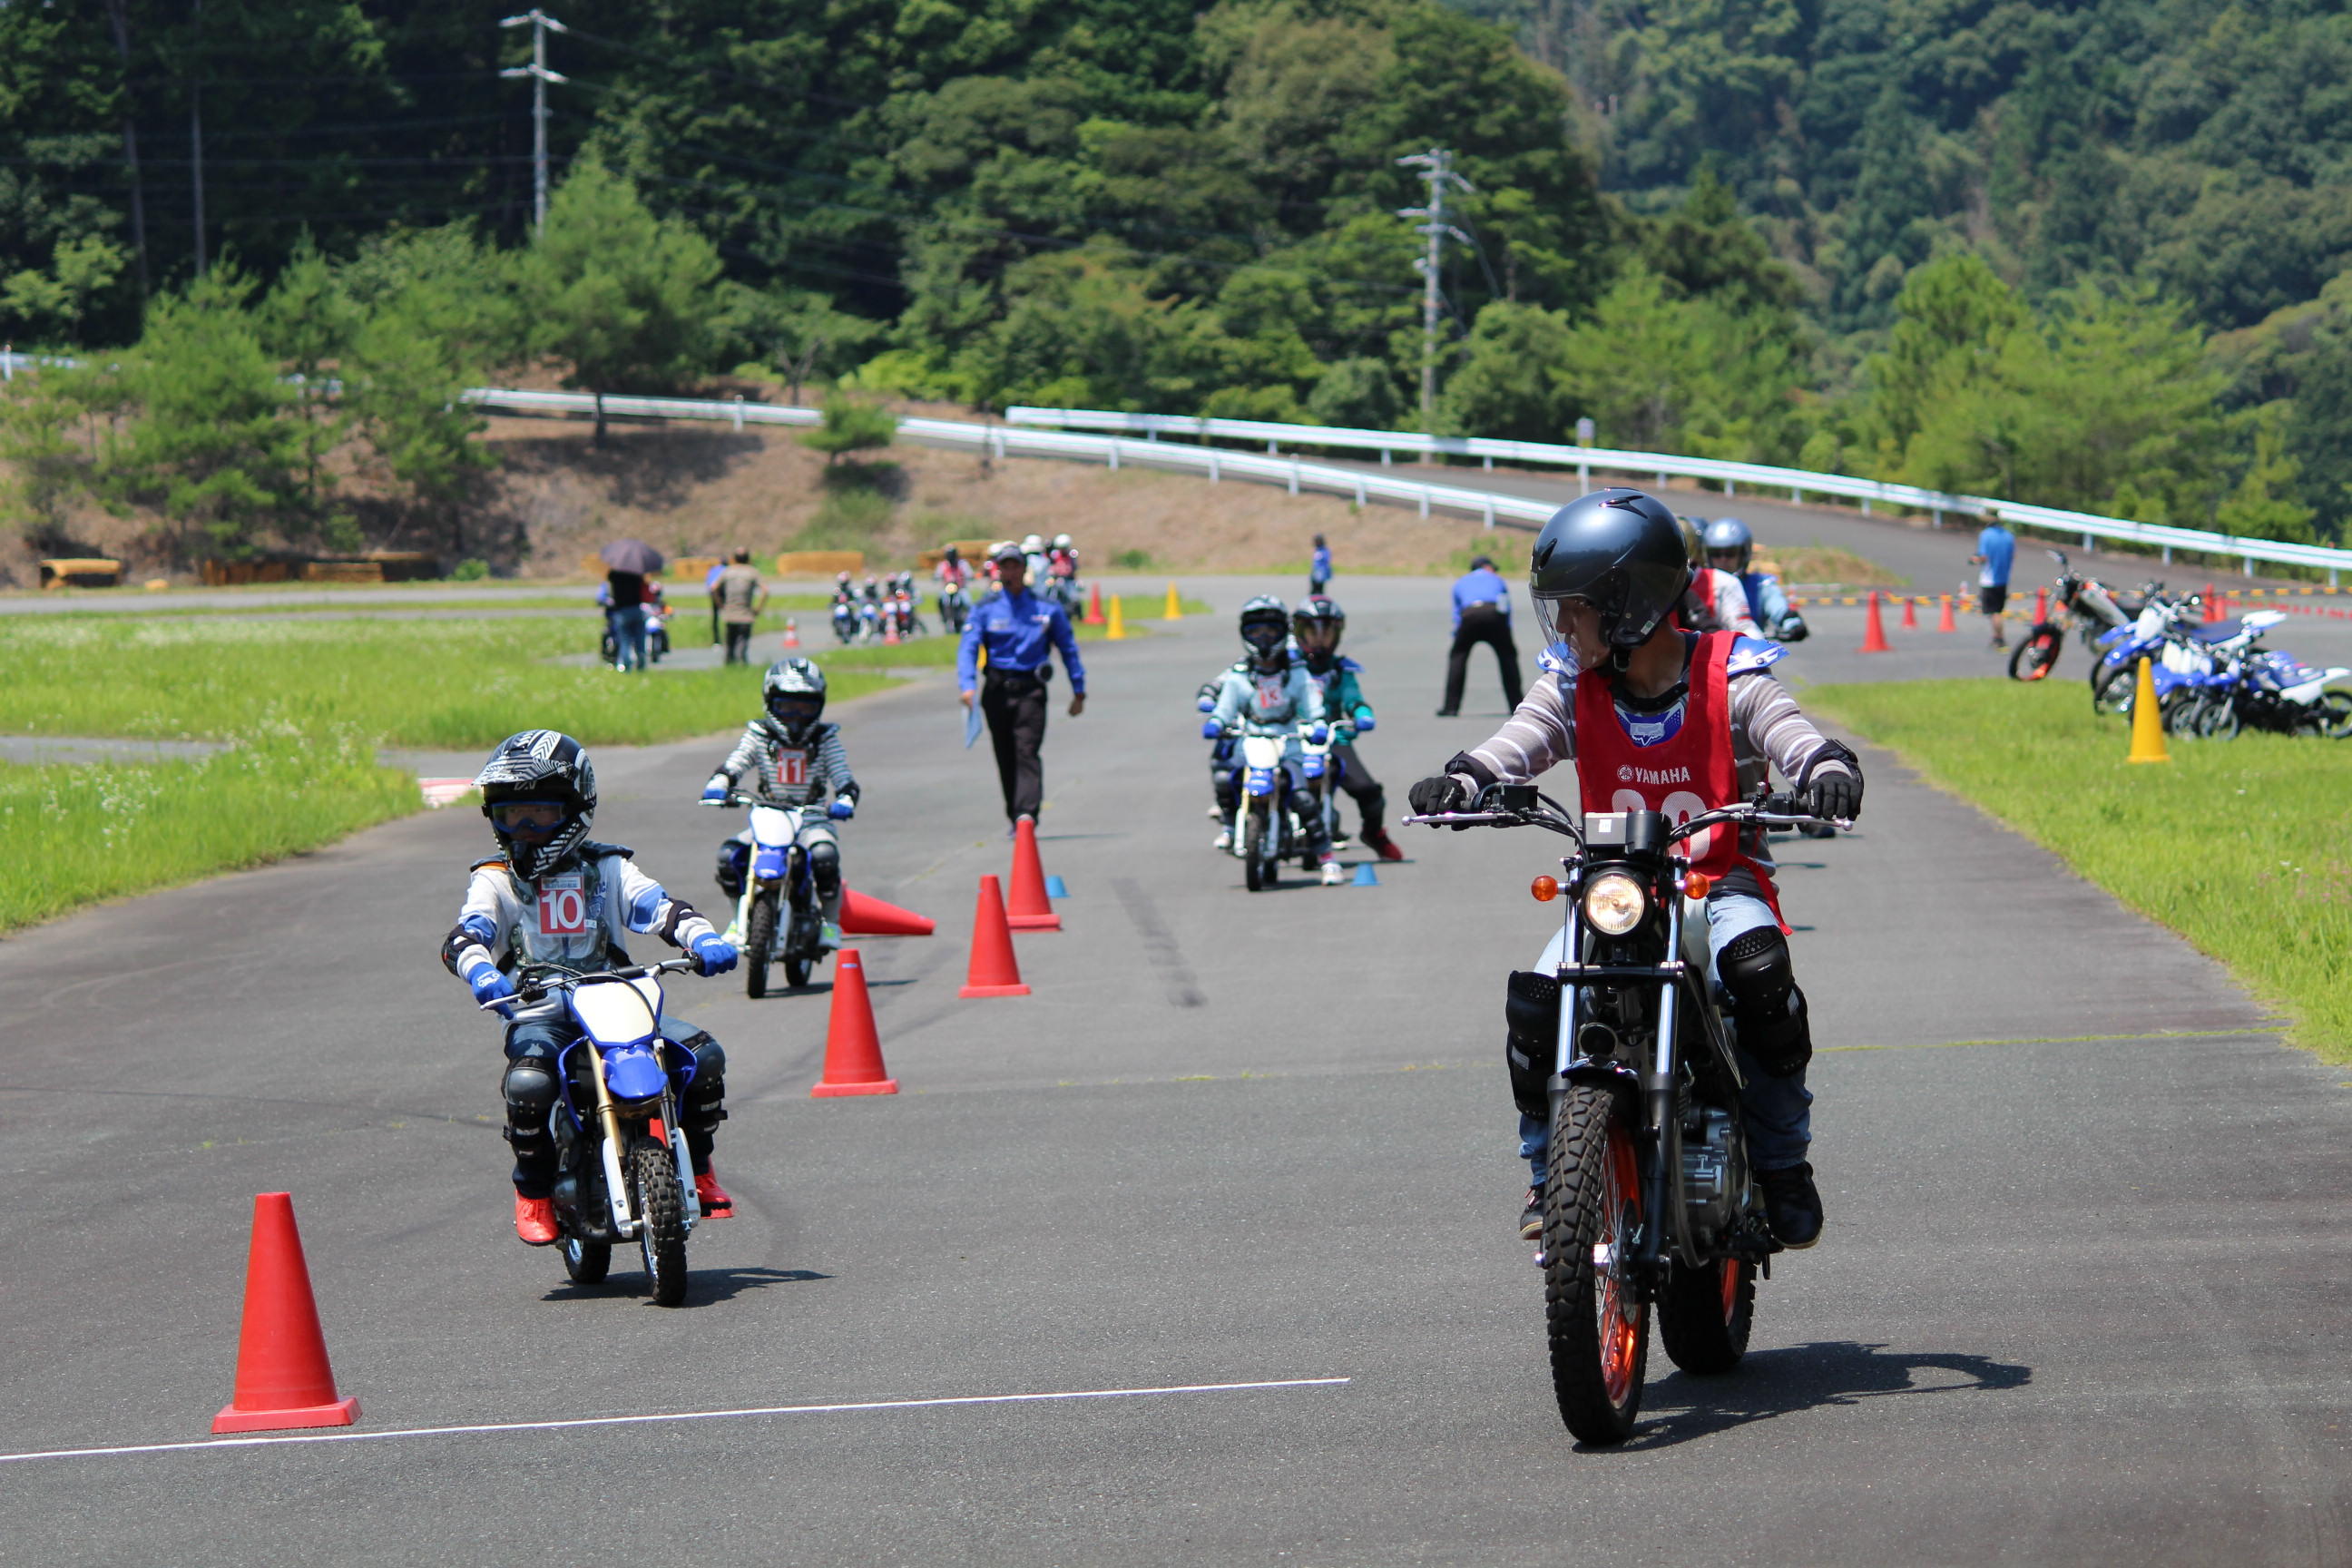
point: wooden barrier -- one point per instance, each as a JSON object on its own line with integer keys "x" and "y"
{"x": 820, "y": 563}
{"x": 81, "y": 572}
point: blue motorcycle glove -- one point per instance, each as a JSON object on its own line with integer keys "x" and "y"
{"x": 490, "y": 986}
{"x": 842, "y": 810}
{"x": 1318, "y": 733}
{"x": 1211, "y": 729}
{"x": 713, "y": 956}
{"x": 1363, "y": 723}
{"x": 715, "y": 793}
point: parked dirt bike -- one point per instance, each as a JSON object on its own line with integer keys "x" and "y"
{"x": 1648, "y": 1200}
{"x": 953, "y": 608}
{"x": 784, "y": 920}
{"x": 2085, "y": 606}
{"x": 623, "y": 1170}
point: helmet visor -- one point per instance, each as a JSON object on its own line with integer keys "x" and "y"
{"x": 529, "y": 817}
{"x": 1571, "y": 625}
{"x": 795, "y": 707}
{"x": 1265, "y": 636}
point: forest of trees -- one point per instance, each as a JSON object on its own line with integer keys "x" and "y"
{"x": 2085, "y": 252}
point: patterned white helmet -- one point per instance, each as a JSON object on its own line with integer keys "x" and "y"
{"x": 543, "y": 769}
{"x": 793, "y": 693}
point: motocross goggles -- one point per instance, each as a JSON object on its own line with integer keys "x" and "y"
{"x": 1267, "y": 635}
{"x": 529, "y": 816}
{"x": 795, "y": 710}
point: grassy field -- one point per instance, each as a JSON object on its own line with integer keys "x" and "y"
{"x": 2243, "y": 847}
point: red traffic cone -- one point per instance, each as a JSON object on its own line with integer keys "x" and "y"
{"x": 993, "y": 972}
{"x": 1030, "y": 909}
{"x": 2212, "y": 604}
{"x": 1873, "y": 630}
{"x": 283, "y": 1380}
{"x": 853, "y": 1051}
{"x": 2040, "y": 606}
{"x": 1944, "y": 623}
{"x": 1094, "y": 605}
{"x": 890, "y": 628}
{"x": 864, "y": 916}
{"x": 1910, "y": 612}
{"x": 791, "y": 633}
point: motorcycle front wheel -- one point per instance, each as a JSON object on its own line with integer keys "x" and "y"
{"x": 759, "y": 943}
{"x": 2335, "y": 721}
{"x": 1597, "y": 1327}
{"x": 2111, "y": 687}
{"x": 1260, "y": 869}
{"x": 2217, "y": 718}
{"x": 2037, "y": 655}
{"x": 661, "y": 1218}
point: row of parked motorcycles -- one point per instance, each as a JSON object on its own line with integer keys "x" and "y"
{"x": 2213, "y": 681}
{"x": 896, "y": 613}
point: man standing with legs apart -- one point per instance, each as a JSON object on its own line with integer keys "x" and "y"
{"x": 1482, "y": 614}
{"x": 1996, "y": 553}
{"x": 1020, "y": 632}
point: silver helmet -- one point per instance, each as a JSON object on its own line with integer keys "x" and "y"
{"x": 793, "y": 693}
{"x": 539, "y": 791}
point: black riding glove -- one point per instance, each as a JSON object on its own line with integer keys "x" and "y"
{"x": 1835, "y": 796}
{"x": 1438, "y": 796}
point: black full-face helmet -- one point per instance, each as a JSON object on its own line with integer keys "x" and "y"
{"x": 539, "y": 791}
{"x": 1620, "y": 552}
{"x": 794, "y": 694}
{"x": 1265, "y": 632}
{"x": 1319, "y": 622}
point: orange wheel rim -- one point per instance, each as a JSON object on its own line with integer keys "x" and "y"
{"x": 1620, "y": 1313}
{"x": 1730, "y": 1289}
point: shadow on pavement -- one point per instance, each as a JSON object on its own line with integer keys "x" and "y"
{"x": 703, "y": 1285}
{"x": 1680, "y": 1408}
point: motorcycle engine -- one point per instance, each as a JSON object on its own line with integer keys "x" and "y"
{"x": 1715, "y": 1171}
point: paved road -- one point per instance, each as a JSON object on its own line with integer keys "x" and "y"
{"x": 2082, "y": 1297}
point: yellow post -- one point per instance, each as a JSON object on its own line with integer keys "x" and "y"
{"x": 1117, "y": 630}
{"x": 1175, "y": 608}
{"x": 2147, "y": 721}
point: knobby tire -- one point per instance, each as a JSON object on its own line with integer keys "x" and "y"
{"x": 1598, "y": 1334}
{"x": 759, "y": 943}
{"x": 587, "y": 1262}
{"x": 1704, "y": 1315}
{"x": 661, "y": 1214}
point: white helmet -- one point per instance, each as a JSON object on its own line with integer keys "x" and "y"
{"x": 1034, "y": 545}
{"x": 1063, "y": 542}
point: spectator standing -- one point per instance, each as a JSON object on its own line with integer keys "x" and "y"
{"x": 710, "y": 586}
{"x": 1996, "y": 553}
{"x": 736, "y": 595}
{"x": 1482, "y": 614}
{"x": 1020, "y": 632}
{"x": 1318, "y": 569}
{"x": 625, "y": 612}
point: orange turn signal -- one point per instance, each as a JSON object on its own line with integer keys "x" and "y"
{"x": 1696, "y": 884}
{"x": 1544, "y": 889}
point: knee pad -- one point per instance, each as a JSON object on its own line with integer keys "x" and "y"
{"x": 1531, "y": 1017}
{"x": 734, "y": 861}
{"x": 825, "y": 864}
{"x": 703, "y": 1105}
{"x": 530, "y": 1088}
{"x": 1766, "y": 1005}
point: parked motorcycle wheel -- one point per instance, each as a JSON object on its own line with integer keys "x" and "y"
{"x": 661, "y": 1213}
{"x": 2217, "y": 718}
{"x": 2332, "y": 715}
{"x": 2112, "y": 686}
{"x": 587, "y": 1262}
{"x": 1704, "y": 1315}
{"x": 1597, "y": 1327}
{"x": 2037, "y": 655}
{"x": 1261, "y": 869}
{"x": 2180, "y": 710}
{"x": 759, "y": 943}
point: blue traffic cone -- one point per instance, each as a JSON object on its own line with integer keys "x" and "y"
{"x": 1055, "y": 888}
{"x": 1364, "y": 876}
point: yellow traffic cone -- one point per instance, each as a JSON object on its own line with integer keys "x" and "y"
{"x": 1175, "y": 608}
{"x": 2147, "y": 721}
{"x": 1117, "y": 630}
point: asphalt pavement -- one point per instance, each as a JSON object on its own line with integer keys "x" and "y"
{"x": 2080, "y": 1299}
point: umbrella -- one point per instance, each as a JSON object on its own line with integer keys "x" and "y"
{"x": 631, "y": 556}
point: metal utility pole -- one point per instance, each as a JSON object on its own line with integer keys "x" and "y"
{"x": 539, "y": 22}
{"x": 1437, "y": 170}
{"x": 196, "y": 132}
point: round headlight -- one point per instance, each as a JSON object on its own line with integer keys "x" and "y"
{"x": 1614, "y": 904}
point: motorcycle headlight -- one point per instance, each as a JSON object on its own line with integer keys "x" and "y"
{"x": 1614, "y": 903}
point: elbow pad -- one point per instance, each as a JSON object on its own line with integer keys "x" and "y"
{"x": 474, "y": 931}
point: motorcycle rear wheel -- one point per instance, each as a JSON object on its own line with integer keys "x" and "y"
{"x": 759, "y": 945}
{"x": 2037, "y": 655}
{"x": 587, "y": 1262}
{"x": 2336, "y": 710}
{"x": 1704, "y": 1315}
{"x": 1598, "y": 1328}
{"x": 661, "y": 1219}
{"x": 2113, "y": 685}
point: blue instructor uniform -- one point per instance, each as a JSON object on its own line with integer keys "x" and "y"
{"x": 1019, "y": 631}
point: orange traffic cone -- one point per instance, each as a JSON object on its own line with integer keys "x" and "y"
{"x": 993, "y": 972}
{"x": 2212, "y": 605}
{"x": 791, "y": 633}
{"x": 890, "y": 628}
{"x": 1910, "y": 612}
{"x": 283, "y": 1380}
{"x": 853, "y": 1051}
{"x": 1094, "y": 605}
{"x": 1944, "y": 623}
{"x": 1873, "y": 630}
{"x": 2040, "y": 606}
{"x": 864, "y": 916}
{"x": 1030, "y": 909}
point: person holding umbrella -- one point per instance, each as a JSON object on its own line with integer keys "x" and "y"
{"x": 630, "y": 562}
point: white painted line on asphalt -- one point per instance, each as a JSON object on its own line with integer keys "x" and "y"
{"x": 288, "y": 1441}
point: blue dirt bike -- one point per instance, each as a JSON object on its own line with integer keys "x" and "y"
{"x": 785, "y": 921}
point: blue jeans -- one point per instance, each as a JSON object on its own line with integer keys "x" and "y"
{"x": 628, "y": 624}
{"x": 1777, "y": 1112}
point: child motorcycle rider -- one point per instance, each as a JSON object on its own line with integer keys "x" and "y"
{"x": 1661, "y": 719}
{"x": 553, "y": 900}
{"x": 790, "y": 757}
{"x": 1714, "y": 602}
{"x": 1731, "y": 551}
{"x": 1317, "y": 627}
{"x": 1270, "y": 687}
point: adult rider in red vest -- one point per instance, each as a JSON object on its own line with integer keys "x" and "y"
{"x": 1661, "y": 719}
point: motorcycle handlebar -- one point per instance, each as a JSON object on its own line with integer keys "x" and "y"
{"x": 539, "y": 991}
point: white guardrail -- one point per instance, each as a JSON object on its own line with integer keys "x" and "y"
{"x": 1056, "y": 433}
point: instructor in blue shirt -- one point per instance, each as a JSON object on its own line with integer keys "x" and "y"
{"x": 1482, "y": 614}
{"x": 1020, "y": 632}
{"x": 1996, "y": 554}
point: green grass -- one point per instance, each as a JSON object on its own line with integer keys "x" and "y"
{"x": 687, "y": 604}
{"x": 2241, "y": 845}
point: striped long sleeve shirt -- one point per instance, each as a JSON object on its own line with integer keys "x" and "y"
{"x": 774, "y": 769}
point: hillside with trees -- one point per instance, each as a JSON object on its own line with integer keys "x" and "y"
{"x": 2090, "y": 254}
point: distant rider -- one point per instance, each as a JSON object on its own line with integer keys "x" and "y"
{"x": 1317, "y": 625}
{"x": 1715, "y": 602}
{"x": 1731, "y": 551}
{"x": 1663, "y": 719}
{"x": 789, "y": 757}
{"x": 554, "y": 902}
{"x": 1271, "y": 687}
